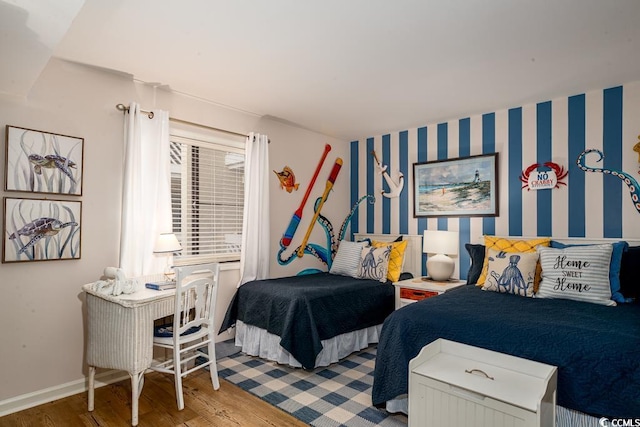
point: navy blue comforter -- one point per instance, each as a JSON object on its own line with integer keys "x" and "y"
{"x": 596, "y": 348}
{"x": 303, "y": 310}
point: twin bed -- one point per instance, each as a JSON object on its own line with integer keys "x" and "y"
{"x": 315, "y": 320}
{"x": 595, "y": 347}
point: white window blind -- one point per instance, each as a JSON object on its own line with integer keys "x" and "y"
{"x": 207, "y": 196}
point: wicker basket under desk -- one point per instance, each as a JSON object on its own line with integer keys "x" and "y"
{"x": 120, "y": 332}
{"x": 120, "y": 329}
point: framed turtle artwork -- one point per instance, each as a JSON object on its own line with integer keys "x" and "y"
{"x": 41, "y": 230}
{"x": 43, "y": 162}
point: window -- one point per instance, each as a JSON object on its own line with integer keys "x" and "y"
{"x": 207, "y": 195}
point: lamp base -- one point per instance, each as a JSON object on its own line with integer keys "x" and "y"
{"x": 169, "y": 272}
{"x": 440, "y": 267}
{"x": 431, "y": 279}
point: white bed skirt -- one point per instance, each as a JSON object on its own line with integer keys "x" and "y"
{"x": 258, "y": 342}
{"x": 564, "y": 417}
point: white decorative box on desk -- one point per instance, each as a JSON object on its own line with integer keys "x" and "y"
{"x": 453, "y": 384}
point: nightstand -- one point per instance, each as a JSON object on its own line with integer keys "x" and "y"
{"x": 412, "y": 290}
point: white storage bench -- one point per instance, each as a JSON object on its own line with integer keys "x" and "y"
{"x": 453, "y": 384}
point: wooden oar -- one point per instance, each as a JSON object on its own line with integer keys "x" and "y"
{"x": 332, "y": 178}
{"x": 297, "y": 215}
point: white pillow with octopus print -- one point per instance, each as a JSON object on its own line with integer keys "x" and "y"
{"x": 374, "y": 263}
{"x": 511, "y": 272}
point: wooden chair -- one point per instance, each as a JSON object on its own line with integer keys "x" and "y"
{"x": 192, "y": 330}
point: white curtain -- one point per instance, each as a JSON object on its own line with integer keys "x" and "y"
{"x": 146, "y": 195}
{"x": 254, "y": 259}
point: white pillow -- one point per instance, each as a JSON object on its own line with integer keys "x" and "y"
{"x": 579, "y": 273}
{"x": 347, "y": 259}
{"x": 374, "y": 263}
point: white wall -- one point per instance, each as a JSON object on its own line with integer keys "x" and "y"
{"x": 41, "y": 306}
{"x": 303, "y": 159}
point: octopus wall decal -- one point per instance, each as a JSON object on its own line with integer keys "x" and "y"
{"x": 630, "y": 181}
{"x": 327, "y": 252}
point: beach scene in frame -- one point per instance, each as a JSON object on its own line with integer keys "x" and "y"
{"x": 464, "y": 186}
{"x": 41, "y": 230}
{"x": 43, "y": 162}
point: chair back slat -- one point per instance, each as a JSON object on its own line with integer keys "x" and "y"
{"x": 196, "y": 292}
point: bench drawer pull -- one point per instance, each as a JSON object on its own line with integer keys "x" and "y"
{"x": 479, "y": 371}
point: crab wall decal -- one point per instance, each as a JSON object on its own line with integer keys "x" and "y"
{"x": 547, "y": 175}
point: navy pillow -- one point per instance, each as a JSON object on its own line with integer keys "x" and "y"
{"x": 614, "y": 267}
{"x": 476, "y": 253}
{"x": 629, "y": 269}
{"x": 405, "y": 276}
{"x": 166, "y": 331}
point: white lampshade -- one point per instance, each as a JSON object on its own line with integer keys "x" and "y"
{"x": 167, "y": 242}
{"x": 440, "y": 243}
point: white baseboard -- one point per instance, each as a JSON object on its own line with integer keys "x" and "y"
{"x": 39, "y": 397}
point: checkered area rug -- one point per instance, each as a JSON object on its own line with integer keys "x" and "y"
{"x": 337, "y": 395}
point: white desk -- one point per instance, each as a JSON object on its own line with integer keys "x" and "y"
{"x": 120, "y": 334}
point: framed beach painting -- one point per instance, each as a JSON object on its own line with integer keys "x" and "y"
{"x": 464, "y": 186}
{"x": 43, "y": 162}
{"x": 41, "y": 230}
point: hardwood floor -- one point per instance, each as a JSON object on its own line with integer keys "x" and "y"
{"x": 228, "y": 406}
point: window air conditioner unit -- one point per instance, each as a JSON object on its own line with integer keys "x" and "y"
{"x": 234, "y": 160}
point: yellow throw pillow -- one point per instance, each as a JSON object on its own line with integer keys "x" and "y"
{"x": 396, "y": 260}
{"x": 511, "y": 245}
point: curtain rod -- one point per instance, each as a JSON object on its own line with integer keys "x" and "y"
{"x": 125, "y": 109}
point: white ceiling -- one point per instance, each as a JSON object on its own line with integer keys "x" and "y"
{"x": 29, "y": 31}
{"x": 357, "y": 68}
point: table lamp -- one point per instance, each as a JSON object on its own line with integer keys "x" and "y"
{"x": 167, "y": 243}
{"x": 440, "y": 266}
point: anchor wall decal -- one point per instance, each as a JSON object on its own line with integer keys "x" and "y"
{"x": 395, "y": 189}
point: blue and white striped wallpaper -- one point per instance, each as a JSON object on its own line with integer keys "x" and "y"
{"x": 592, "y": 205}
